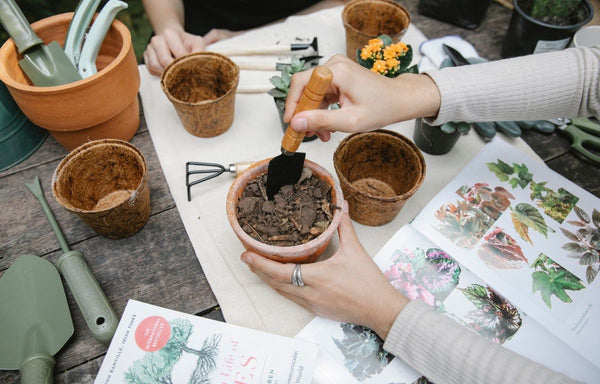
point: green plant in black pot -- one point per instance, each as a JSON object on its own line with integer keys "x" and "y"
{"x": 438, "y": 140}
{"x": 282, "y": 86}
{"x": 544, "y": 25}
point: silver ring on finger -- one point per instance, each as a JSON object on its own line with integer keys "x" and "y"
{"x": 297, "y": 277}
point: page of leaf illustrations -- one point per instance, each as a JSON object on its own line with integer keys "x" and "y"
{"x": 159, "y": 345}
{"x": 529, "y": 233}
{"x": 420, "y": 270}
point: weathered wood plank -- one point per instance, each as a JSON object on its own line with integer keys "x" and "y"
{"x": 156, "y": 265}
{"x": 579, "y": 171}
{"x": 547, "y": 146}
{"x": 23, "y": 227}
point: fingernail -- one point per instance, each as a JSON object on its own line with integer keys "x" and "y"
{"x": 246, "y": 258}
{"x": 300, "y": 124}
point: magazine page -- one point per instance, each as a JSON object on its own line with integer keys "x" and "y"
{"x": 159, "y": 345}
{"x": 422, "y": 271}
{"x": 529, "y": 233}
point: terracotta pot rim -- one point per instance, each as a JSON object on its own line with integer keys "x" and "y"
{"x": 194, "y": 55}
{"x": 290, "y": 251}
{"x": 87, "y": 147}
{"x": 404, "y": 139}
{"x": 64, "y": 88}
{"x": 389, "y": 2}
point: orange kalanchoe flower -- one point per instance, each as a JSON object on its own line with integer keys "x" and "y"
{"x": 379, "y": 66}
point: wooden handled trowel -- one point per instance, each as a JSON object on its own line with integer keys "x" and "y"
{"x": 35, "y": 321}
{"x": 286, "y": 168}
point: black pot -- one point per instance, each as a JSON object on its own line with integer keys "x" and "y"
{"x": 463, "y": 13}
{"x": 285, "y": 125}
{"x": 431, "y": 139}
{"x": 526, "y": 35}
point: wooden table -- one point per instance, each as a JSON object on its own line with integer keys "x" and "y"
{"x": 158, "y": 265}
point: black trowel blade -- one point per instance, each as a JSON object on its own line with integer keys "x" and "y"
{"x": 283, "y": 170}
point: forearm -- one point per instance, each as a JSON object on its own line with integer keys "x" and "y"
{"x": 541, "y": 86}
{"x": 446, "y": 352}
{"x": 165, "y": 14}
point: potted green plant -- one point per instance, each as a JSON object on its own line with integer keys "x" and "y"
{"x": 544, "y": 25}
{"x": 282, "y": 86}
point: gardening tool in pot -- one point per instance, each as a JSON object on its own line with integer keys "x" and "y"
{"x": 99, "y": 316}
{"x": 79, "y": 23}
{"x": 91, "y": 47}
{"x": 584, "y": 133}
{"x": 212, "y": 170}
{"x": 45, "y": 65}
{"x": 266, "y": 50}
{"x": 35, "y": 321}
{"x": 287, "y": 168}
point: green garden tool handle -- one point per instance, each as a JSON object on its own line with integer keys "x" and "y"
{"x": 580, "y": 137}
{"x": 37, "y": 369}
{"x": 17, "y": 26}
{"x": 94, "y": 305}
{"x": 79, "y": 23}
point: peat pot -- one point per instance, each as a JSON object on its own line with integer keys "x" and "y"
{"x": 366, "y": 19}
{"x": 304, "y": 253}
{"x": 104, "y": 105}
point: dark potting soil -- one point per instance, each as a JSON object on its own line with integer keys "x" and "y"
{"x": 297, "y": 214}
{"x": 575, "y": 17}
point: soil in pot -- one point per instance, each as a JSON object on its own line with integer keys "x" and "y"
{"x": 296, "y": 215}
{"x": 575, "y": 17}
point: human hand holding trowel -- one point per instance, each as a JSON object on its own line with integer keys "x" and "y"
{"x": 286, "y": 168}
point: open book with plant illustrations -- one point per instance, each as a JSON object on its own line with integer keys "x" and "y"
{"x": 158, "y": 345}
{"x": 509, "y": 249}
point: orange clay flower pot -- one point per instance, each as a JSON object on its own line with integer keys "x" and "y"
{"x": 304, "y": 253}
{"x": 104, "y": 105}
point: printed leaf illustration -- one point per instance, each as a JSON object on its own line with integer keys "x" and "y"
{"x": 503, "y": 172}
{"x": 363, "y": 351}
{"x": 553, "y": 279}
{"x": 525, "y": 216}
{"x": 500, "y": 251}
{"x": 585, "y": 242}
{"x": 556, "y": 204}
{"x": 494, "y": 317}
{"x": 157, "y": 367}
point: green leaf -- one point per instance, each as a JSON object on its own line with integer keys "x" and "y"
{"x": 448, "y": 127}
{"x": 570, "y": 235}
{"x": 279, "y": 83}
{"x": 360, "y": 60}
{"x": 387, "y": 40}
{"x": 505, "y": 167}
{"x": 582, "y": 215}
{"x": 412, "y": 69}
{"x": 541, "y": 282}
{"x": 588, "y": 258}
{"x": 573, "y": 247}
{"x": 590, "y": 274}
{"x": 494, "y": 168}
{"x": 529, "y": 216}
{"x": 514, "y": 182}
{"x": 285, "y": 75}
{"x": 276, "y": 93}
{"x": 463, "y": 127}
{"x": 596, "y": 218}
{"x": 406, "y": 59}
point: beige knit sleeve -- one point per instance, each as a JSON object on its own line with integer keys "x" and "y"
{"x": 446, "y": 352}
{"x": 555, "y": 84}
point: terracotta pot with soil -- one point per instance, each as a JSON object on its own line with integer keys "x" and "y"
{"x": 297, "y": 225}
{"x": 104, "y": 105}
{"x": 366, "y": 19}
{"x": 379, "y": 171}
{"x": 202, "y": 88}
{"x": 105, "y": 183}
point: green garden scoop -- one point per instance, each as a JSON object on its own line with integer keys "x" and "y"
{"x": 35, "y": 321}
{"x": 45, "y": 65}
{"x": 99, "y": 316}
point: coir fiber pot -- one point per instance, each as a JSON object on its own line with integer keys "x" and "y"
{"x": 378, "y": 171}
{"x": 104, "y": 105}
{"x": 304, "y": 253}
{"x": 19, "y": 137}
{"x": 431, "y": 139}
{"x": 366, "y": 19}
{"x": 526, "y": 35}
{"x": 202, "y": 88}
{"x": 105, "y": 183}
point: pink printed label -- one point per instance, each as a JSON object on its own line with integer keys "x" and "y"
{"x": 152, "y": 333}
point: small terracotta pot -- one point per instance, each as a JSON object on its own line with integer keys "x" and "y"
{"x": 202, "y": 88}
{"x": 367, "y": 19}
{"x": 304, "y": 253}
{"x": 105, "y": 183}
{"x": 103, "y": 105}
{"x": 379, "y": 171}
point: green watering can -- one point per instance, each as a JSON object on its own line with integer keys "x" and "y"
{"x": 99, "y": 316}
{"x": 35, "y": 321}
{"x": 45, "y": 65}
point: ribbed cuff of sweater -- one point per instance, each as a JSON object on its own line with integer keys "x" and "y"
{"x": 446, "y": 352}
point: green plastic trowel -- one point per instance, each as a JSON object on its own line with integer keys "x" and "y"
{"x": 45, "y": 65}
{"x": 35, "y": 321}
{"x": 99, "y": 316}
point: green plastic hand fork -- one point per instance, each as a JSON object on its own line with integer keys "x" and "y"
{"x": 99, "y": 316}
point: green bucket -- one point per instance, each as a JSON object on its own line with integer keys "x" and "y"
{"x": 19, "y": 137}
